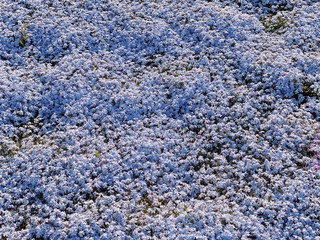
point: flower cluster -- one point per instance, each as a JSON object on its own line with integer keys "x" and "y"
{"x": 159, "y": 119}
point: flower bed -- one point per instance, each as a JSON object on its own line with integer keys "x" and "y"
{"x": 159, "y": 119}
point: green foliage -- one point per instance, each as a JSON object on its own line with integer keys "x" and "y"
{"x": 23, "y": 35}
{"x": 308, "y": 90}
{"x": 97, "y": 154}
{"x": 275, "y": 24}
{"x": 5, "y": 152}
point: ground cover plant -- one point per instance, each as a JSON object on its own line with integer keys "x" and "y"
{"x": 159, "y": 119}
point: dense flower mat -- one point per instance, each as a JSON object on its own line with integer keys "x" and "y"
{"x": 159, "y": 119}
